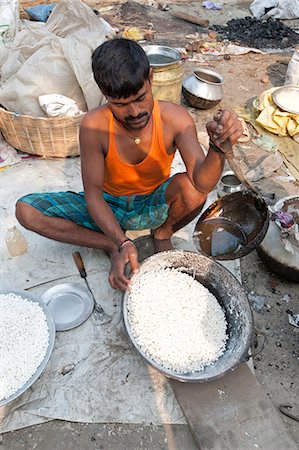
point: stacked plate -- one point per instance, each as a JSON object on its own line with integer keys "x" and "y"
{"x": 287, "y": 98}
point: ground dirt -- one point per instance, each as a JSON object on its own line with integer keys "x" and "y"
{"x": 277, "y": 364}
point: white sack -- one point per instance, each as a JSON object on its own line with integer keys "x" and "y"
{"x": 9, "y": 20}
{"x": 292, "y": 75}
{"x": 45, "y": 72}
{"x": 78, "y": 57}
{"x": 83, "y": 31}
{"x": 70, "y": 16}
{"x": 280, "y": 9}
{"x": 53, "y": 59}
{"x": 16, "y": 53}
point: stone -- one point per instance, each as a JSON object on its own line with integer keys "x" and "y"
{"x": 268, "y": 165}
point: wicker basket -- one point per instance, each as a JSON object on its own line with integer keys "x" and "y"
{"x": 54, "y": 137}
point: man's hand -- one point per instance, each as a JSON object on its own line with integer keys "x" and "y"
{"x": 127, "y": 254}
{"x": 225, "y": 130}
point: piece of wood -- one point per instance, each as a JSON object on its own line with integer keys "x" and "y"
{"x": 232, "y": 413}
{"x": 204, "y": 23}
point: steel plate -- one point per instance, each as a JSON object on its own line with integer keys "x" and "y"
{"x": 50, "y": 321}
{"x": 70, "y": 304}
{"x": 286, "y": 94}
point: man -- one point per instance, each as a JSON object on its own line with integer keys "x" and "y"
{"x": 127, "y": 146}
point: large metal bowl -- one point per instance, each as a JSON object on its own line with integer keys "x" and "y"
{"x": 230, "y": 295}
{"x": 31, "y": 297}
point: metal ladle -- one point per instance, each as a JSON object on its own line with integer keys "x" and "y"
{"x": 269, "y": 197}
{"x": 239, "y": 173}
{"x": 100, "y": 314}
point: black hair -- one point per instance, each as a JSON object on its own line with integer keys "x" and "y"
{"x": 120, "y": 68}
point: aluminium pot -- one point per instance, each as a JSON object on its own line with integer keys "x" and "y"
{"x": 166, "y": 65}
{"x": 203, "y": 89}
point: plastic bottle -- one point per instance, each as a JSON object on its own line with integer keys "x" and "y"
{"x": 15, "y": 241}
{"x": 292, "y": 75}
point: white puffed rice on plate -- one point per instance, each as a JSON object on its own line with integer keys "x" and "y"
{"x": 24, "y": 339}
{"x": 175, "y": 320}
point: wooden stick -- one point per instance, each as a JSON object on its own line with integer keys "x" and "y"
{"x": 204, "y": 23}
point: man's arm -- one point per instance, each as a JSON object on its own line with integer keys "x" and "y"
{"x": 224, "y": 130}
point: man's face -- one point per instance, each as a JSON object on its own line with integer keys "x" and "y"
{"x": 133, "y": 112}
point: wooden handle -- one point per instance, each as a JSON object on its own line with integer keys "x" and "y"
{"x": 79, "y": 263}
{"x": 190, "y": 18}
{"x": 238, "y": 172}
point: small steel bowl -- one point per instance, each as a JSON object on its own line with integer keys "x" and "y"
{"x": 203, "y": 88}
{"x": 228, "y": 184}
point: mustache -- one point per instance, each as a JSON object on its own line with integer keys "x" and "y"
{"x": 133, "y": 118}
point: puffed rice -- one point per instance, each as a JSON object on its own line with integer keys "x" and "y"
{"x": 24, "y": 339}
{"x": 175, "y": 320}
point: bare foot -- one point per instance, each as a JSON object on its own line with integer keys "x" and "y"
{"x": 162, "y": 245}
{"x": 161, "y": 237}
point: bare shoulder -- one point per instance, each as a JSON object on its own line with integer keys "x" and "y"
{"x": 96, "y": 119}
{"x": 93, "y": 131}
{"x": 173, "y": 115}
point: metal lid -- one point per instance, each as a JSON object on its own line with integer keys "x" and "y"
{"x": 161, "y": 56}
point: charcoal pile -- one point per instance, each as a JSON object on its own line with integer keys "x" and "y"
{"x": 256, "y": 33}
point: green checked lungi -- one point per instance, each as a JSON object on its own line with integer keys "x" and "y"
{"x": 132, "y": 212}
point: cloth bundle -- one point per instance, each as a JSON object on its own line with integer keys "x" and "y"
{"x": 56, "y": 105}
{"x": 274, "y": 119}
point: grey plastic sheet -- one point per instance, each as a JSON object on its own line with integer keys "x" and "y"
{"x": 109, "y": 382}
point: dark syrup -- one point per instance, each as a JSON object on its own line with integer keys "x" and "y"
{"x": 217, "y": 237}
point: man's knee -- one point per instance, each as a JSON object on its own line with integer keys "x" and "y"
{"x": 191, "y": 198}
{"x": 26, "y": 215}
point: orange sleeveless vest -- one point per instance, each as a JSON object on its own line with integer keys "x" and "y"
{"x": 122, "y": 178}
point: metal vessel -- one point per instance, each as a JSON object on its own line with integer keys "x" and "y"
{"x": 167, "y": 72}
{"x": 203, "y": 89}
{"x": 231, "y": 297}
